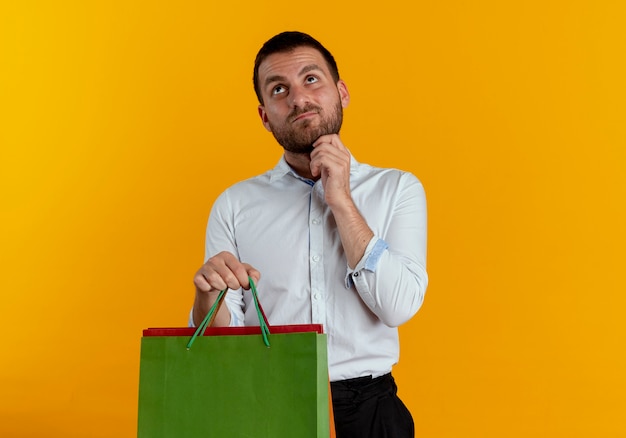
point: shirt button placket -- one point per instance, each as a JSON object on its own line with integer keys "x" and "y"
{"x": 316, "y": 263}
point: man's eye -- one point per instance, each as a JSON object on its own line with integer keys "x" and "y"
{"x": 278, "y": 89}
{"x": 311, "y": 79}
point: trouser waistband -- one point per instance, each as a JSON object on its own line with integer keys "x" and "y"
{"x": 362, "y": 387}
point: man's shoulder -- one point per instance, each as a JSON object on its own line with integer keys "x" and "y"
{"x": 367, "y": 171}
{"x": 261, "y": 180}
{"x": 250, "y": 183}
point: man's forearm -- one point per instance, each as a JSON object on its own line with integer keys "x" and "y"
{"x": 354, "y": 232}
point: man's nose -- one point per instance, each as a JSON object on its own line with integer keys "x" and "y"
{"x": 298, "y": 97}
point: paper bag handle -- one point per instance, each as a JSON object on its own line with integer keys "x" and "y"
{"x": 208, "y": 319}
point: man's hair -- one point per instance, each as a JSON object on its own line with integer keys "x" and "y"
{"x": 287, "y": 42}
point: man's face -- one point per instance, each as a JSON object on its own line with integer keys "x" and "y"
{"x": 301, "y": 101}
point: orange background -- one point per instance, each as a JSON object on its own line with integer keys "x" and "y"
{"x": 120, "y": 122}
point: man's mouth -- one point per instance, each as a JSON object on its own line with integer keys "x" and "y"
{"x": 304, "y": 113}
{"x": 304, "y": 116}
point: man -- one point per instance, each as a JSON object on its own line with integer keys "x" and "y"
{"x": 338, "y": 242}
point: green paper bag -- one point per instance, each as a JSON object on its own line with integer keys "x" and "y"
{"x": 231, "y": 385}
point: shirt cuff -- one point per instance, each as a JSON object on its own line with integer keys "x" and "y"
{"x": 373, "y": 252}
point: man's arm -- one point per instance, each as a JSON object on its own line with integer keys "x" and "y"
{"x": 391, "y": 278}
{"x": 330, "y": 160}
{"x": 394, "y": 287}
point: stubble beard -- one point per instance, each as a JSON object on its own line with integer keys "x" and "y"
{"x": 300, "y": 139}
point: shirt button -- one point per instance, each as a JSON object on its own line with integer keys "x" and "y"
{"x": 316, "y": 297}
{"x": 316, "y": 221}
{"x": 316, "y": 258}
{"x": 355, "y": 274}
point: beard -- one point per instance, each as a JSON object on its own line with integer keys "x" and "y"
{"x": 300, "y": 139}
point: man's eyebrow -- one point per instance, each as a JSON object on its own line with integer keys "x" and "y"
{"x": 303, "y": 70}
{"x": 274, "y": 78}
{"x": 308, "y": 68}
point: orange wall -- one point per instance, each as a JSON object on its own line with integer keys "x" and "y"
{"x": 121, "y": 121}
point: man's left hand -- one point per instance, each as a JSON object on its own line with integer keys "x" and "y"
{"x": 331, "y": 159}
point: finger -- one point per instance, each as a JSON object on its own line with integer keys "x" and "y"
{"x": 325, "y": 161}
{"x": 217, "y": 273}
{"x": 331, "y": 139}
{"x": 235, "y": 273}
{"x": 239, "y": 274}
{"x": 207, "y": 280}
{"x": 337, "y": 152}
{"x": 252, "y": 273}
{"x": 320, "y": 156}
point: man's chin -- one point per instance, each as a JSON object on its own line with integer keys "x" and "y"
{"x": 302, "y": 142}
{"x": 299, "y": 149}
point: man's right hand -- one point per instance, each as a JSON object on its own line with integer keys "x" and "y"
{"x": 221, "y": 271}
{"x": 224, "y": 270}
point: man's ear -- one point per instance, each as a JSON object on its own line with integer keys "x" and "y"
{"x": 264, "y": 119}
{"x": 344, "y": 95}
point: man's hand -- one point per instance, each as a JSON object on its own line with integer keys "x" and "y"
{"x": 219, "y": 272}
{"x": 224, "y": 270}
{"x": 331, "y": 160}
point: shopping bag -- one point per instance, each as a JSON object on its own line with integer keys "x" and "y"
{"x": 234, "y": 382}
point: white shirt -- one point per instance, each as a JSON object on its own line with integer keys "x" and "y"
{"x": 280, "y": 223}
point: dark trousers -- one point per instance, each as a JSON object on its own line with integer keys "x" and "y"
{"x": 370, "y": 408}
